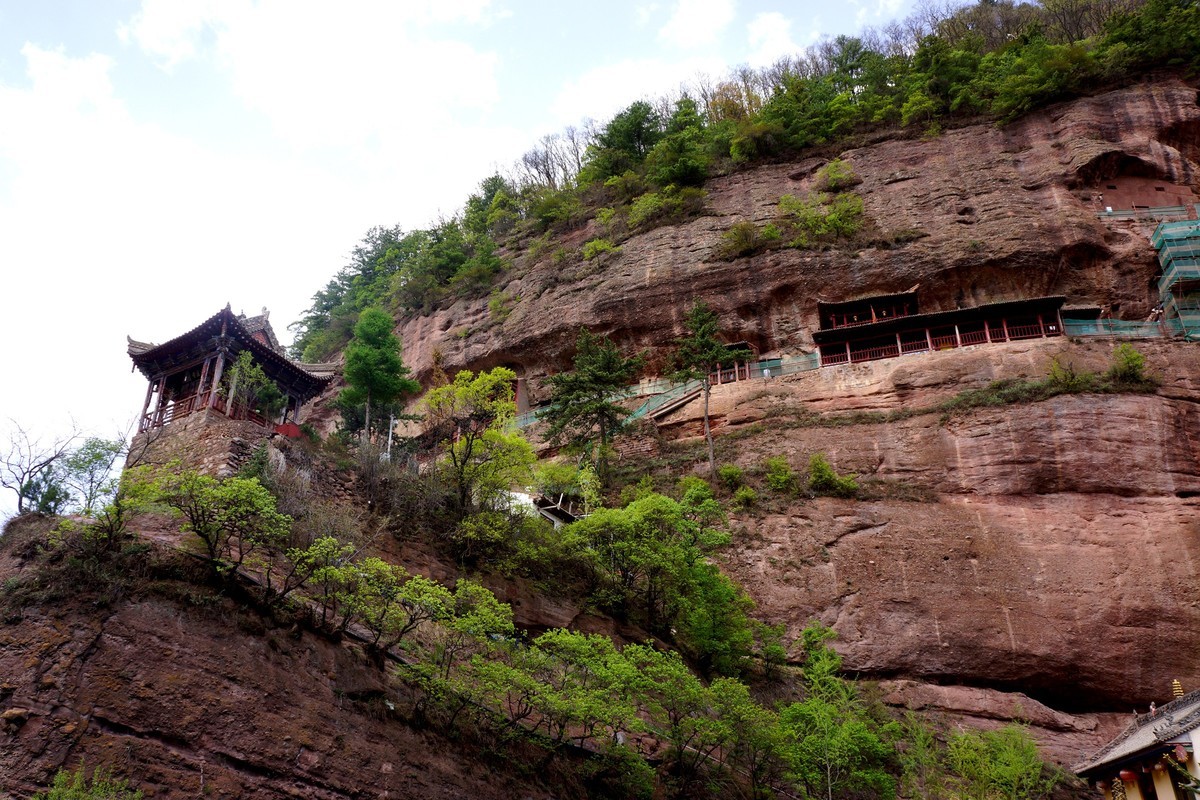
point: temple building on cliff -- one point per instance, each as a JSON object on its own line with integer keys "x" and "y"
{"x": 1146, "y": 760}
{"x": 891, "y": 325}
{"x": 189, "y": 376}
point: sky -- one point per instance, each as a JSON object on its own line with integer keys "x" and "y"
{"x": 161, "y": 158}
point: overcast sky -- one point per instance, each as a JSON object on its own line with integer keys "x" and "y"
{"x": 159, "y": 159}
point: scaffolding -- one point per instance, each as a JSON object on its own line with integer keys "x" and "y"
{"x": 1178, "y": 246}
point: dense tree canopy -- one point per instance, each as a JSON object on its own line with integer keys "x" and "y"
{"x": 945, "y": 65}
{"x": 373, "y": 370}
{"x": 583, "y": 412}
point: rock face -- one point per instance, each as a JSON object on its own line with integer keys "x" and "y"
{"x": 1058, "y": 558}
{"x": 1048, "y": 570}
{"x": 1054, "y": 554}
{"x": 1007, "y": 212}
{"x": 194, "y": 698}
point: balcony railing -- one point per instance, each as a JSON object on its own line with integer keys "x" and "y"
{"x": 178, "y": 409}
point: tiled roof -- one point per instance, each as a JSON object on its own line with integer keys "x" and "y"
{"x": 253, "y": 325}
{"x": 145, "y": 355}
{"x": 1147, "y": 732}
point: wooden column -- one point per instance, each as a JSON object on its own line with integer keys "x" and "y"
{"x": 847, "y": 352}
{"x": 1041, "y": 326}
{"x": 718, "y": 374}
{"x": 216, "y": 382}
{"x": 987, "y": 332}
{"x": 201, "y": 397}
{"x": 929, "y": 339}
{"x": 160, "y": 406}
{"x": 1004, "y": 325}
{"x": 957, "y": 337}
{"x": 143, "y": 423}
{"x": 899, "y": 346}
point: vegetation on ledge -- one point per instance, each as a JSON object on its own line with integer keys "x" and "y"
{"x": 646, "y": 166}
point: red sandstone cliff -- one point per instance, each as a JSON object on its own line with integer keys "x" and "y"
{"x": 1009, "y": 213}
{"x": 1049, "y": 573}
{"x": 1058, "y": 558}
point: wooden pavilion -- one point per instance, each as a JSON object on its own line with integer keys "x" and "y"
{"x": 185, "y": 373}
{"x": 887, "y": 326}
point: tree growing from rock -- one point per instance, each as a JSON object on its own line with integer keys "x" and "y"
{"x": 582, "y": 412}
{"x": 470, "y": 419}
{"x": 697, "y": 355}
{"x": 88, "y": 471}
{"x": 374, "y": 371}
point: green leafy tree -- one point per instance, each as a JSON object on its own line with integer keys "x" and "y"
{"x": 245, "y": 384}
{"x": 235, "y": 519}
{"x": 651, "y": 565}
{"x": 624, "y": 142}
{"x": 45, "y": 493}
{"x": 88, "y": 471}
{"x": 682, "y": 710}
{"x": 832, "y": 746}
{"x": 697, "y": 355}
{"x": 109, "y": 527}
{"x": 389, "y": 603}
{"x": 29, "y": 467}
{"x": 1000, "y": 763}
{"x": 680, "y": 158}
{"x": 374, "y": 371}
{"x": 471, "y": 417}
{"x": 582, "y": 412}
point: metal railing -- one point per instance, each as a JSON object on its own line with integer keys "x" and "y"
{"x": 1114, "y": 327}
{"x": 663, "y": 392}
{"x": 656, "y": 402}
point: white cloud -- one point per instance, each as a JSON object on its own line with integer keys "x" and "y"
{"x": 362, "y": 72}
{"x": 770, "y": 37}
{"x": 602, "y": 92}
{"x": 169, "y": 31}
{"x": 695, "y": 23}
{"x": 643, "y": 13}
{"x": 880, "y": 11}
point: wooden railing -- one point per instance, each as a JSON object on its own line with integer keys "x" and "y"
{"x": 973, "y": 337}
{"x": 1025, "y": 332}
{"x": 874, "y": 353}
{"x": 918, "y": 346}
{"x": 829, "y": 359}
{"x": 944, "y": 342}
{"x": 179, "y": 409}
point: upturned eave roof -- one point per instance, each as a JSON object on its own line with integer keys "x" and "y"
{"x": 1145, "y": 734}
{"x": 147, "y": 357}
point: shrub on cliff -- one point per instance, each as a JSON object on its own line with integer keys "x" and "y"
{"x": 1128, "y": 367}
{"x": 1000, "y": 763}
{"x": 822, "y": 479}
{"x": 779, "y": 475}
{"x": 76, "y": 785}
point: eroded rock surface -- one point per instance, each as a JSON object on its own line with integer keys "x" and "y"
{"x": 1054, "y": 554}
{"x": 201, "y": 701}
{"x": 1006, "y": 213}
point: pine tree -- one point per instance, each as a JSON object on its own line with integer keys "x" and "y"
{"x": 582, "y": 411}
{"x": 697, "y": 355}
{"x": 374, "y": 371}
